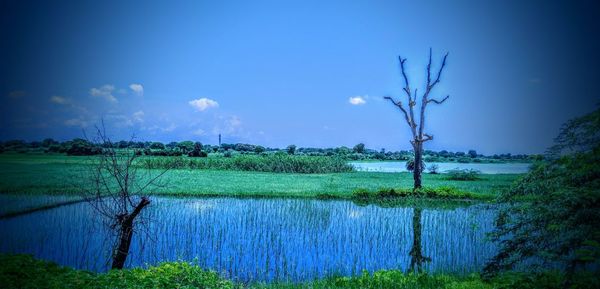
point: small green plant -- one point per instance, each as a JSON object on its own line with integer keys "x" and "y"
{"x": 463, "y": 175}
{"x": 433, "y": 169}
{"x": 410, "y": 165}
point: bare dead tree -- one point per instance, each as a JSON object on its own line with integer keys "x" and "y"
{"x": 117, "y": 191}
{"x": 418, "y": 135}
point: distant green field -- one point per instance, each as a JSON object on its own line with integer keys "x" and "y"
{"x": 57, "y": 174}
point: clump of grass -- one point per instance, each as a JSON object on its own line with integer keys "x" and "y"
{"x": 463, "y": 175}
{"x": 433, "y": 169}
{"x": 276, "y": 163}
{"x": 447, "y": 193}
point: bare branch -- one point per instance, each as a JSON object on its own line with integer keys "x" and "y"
{"x": 406, "y": 86}
{"x": 439, "y": 75}
{"x": 429, "y": 69}
{"x": 401, "y": 107}
{"x": 438, "y": 101}
{"x": 113, "y": 188}
{"x": 427, "y": 137}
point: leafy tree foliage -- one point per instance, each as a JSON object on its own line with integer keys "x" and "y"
{"x": 81, "y": 147}
{"x": 197, "y": 151}
{"x": 48, "y": 142}
{"x": 552, "y": 216}
{"x": 359, "y": 148}
{"x": 186, "y": 146}
{"x": 579, "y": 134}
{"x": 157, "y": 146}
{"x": 472, "y": 153}
{"x": 291, "y": 149}
{"x": 259, "y": 149}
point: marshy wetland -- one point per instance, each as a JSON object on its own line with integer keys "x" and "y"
{"x": 254, "y": 240}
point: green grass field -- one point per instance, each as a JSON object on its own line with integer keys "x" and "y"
{"x": 57, "y": 174}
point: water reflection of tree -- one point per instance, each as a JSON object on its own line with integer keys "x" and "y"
{"x": 416, "y": 252}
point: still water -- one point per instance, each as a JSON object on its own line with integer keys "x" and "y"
{"x": 265, "y": 239}
{"x": 394, "y": 167}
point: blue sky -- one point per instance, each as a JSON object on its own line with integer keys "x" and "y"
{"x": 285, "y": 72}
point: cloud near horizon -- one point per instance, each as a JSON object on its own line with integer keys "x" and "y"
{"x": 203, "y": 104}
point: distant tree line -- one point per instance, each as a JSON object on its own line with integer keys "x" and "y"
{"x": 79, "y": 146}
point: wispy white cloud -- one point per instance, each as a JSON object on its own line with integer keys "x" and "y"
{"x": 231, "y": 125}
{"x": 76, "y": 122}
{"x": 105, "y": 91}
{"x": 357, "y": 100}
{"x": 198, "y": 132}
{"x": 17, "y": 94}
{"x": 138, "y": 116}
{"x": 234, "y": 121}
{"x": 169, "y": 128}
{"x": 59, "y": 99}
{"x": 137, "y": 88}
{"x": 202, "y": 104}
{"x": 118, "y": 120}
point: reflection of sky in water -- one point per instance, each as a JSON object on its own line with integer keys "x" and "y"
{"x": 393, "y": 167}
{"x": 262, "y": 239}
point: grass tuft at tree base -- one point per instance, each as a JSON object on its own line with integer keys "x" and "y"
{"x": 443, "y": 192}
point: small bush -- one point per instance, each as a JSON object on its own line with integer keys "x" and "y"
{"x": 433, "y": 169}
{"x": 410, "y": 165}
{"x": 463, "y": 175}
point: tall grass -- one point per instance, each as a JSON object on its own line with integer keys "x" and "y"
{"x": 277, "y": 163}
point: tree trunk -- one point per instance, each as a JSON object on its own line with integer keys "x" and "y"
{"x": 125, "y": 235}
{"x": 122, "y": 250}
{"x": 418, "y": 149}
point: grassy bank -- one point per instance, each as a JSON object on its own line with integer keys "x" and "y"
{"x": 21, "y": 271}
{"x": 54, "y": 174}
{"x": 442, "y": 193}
